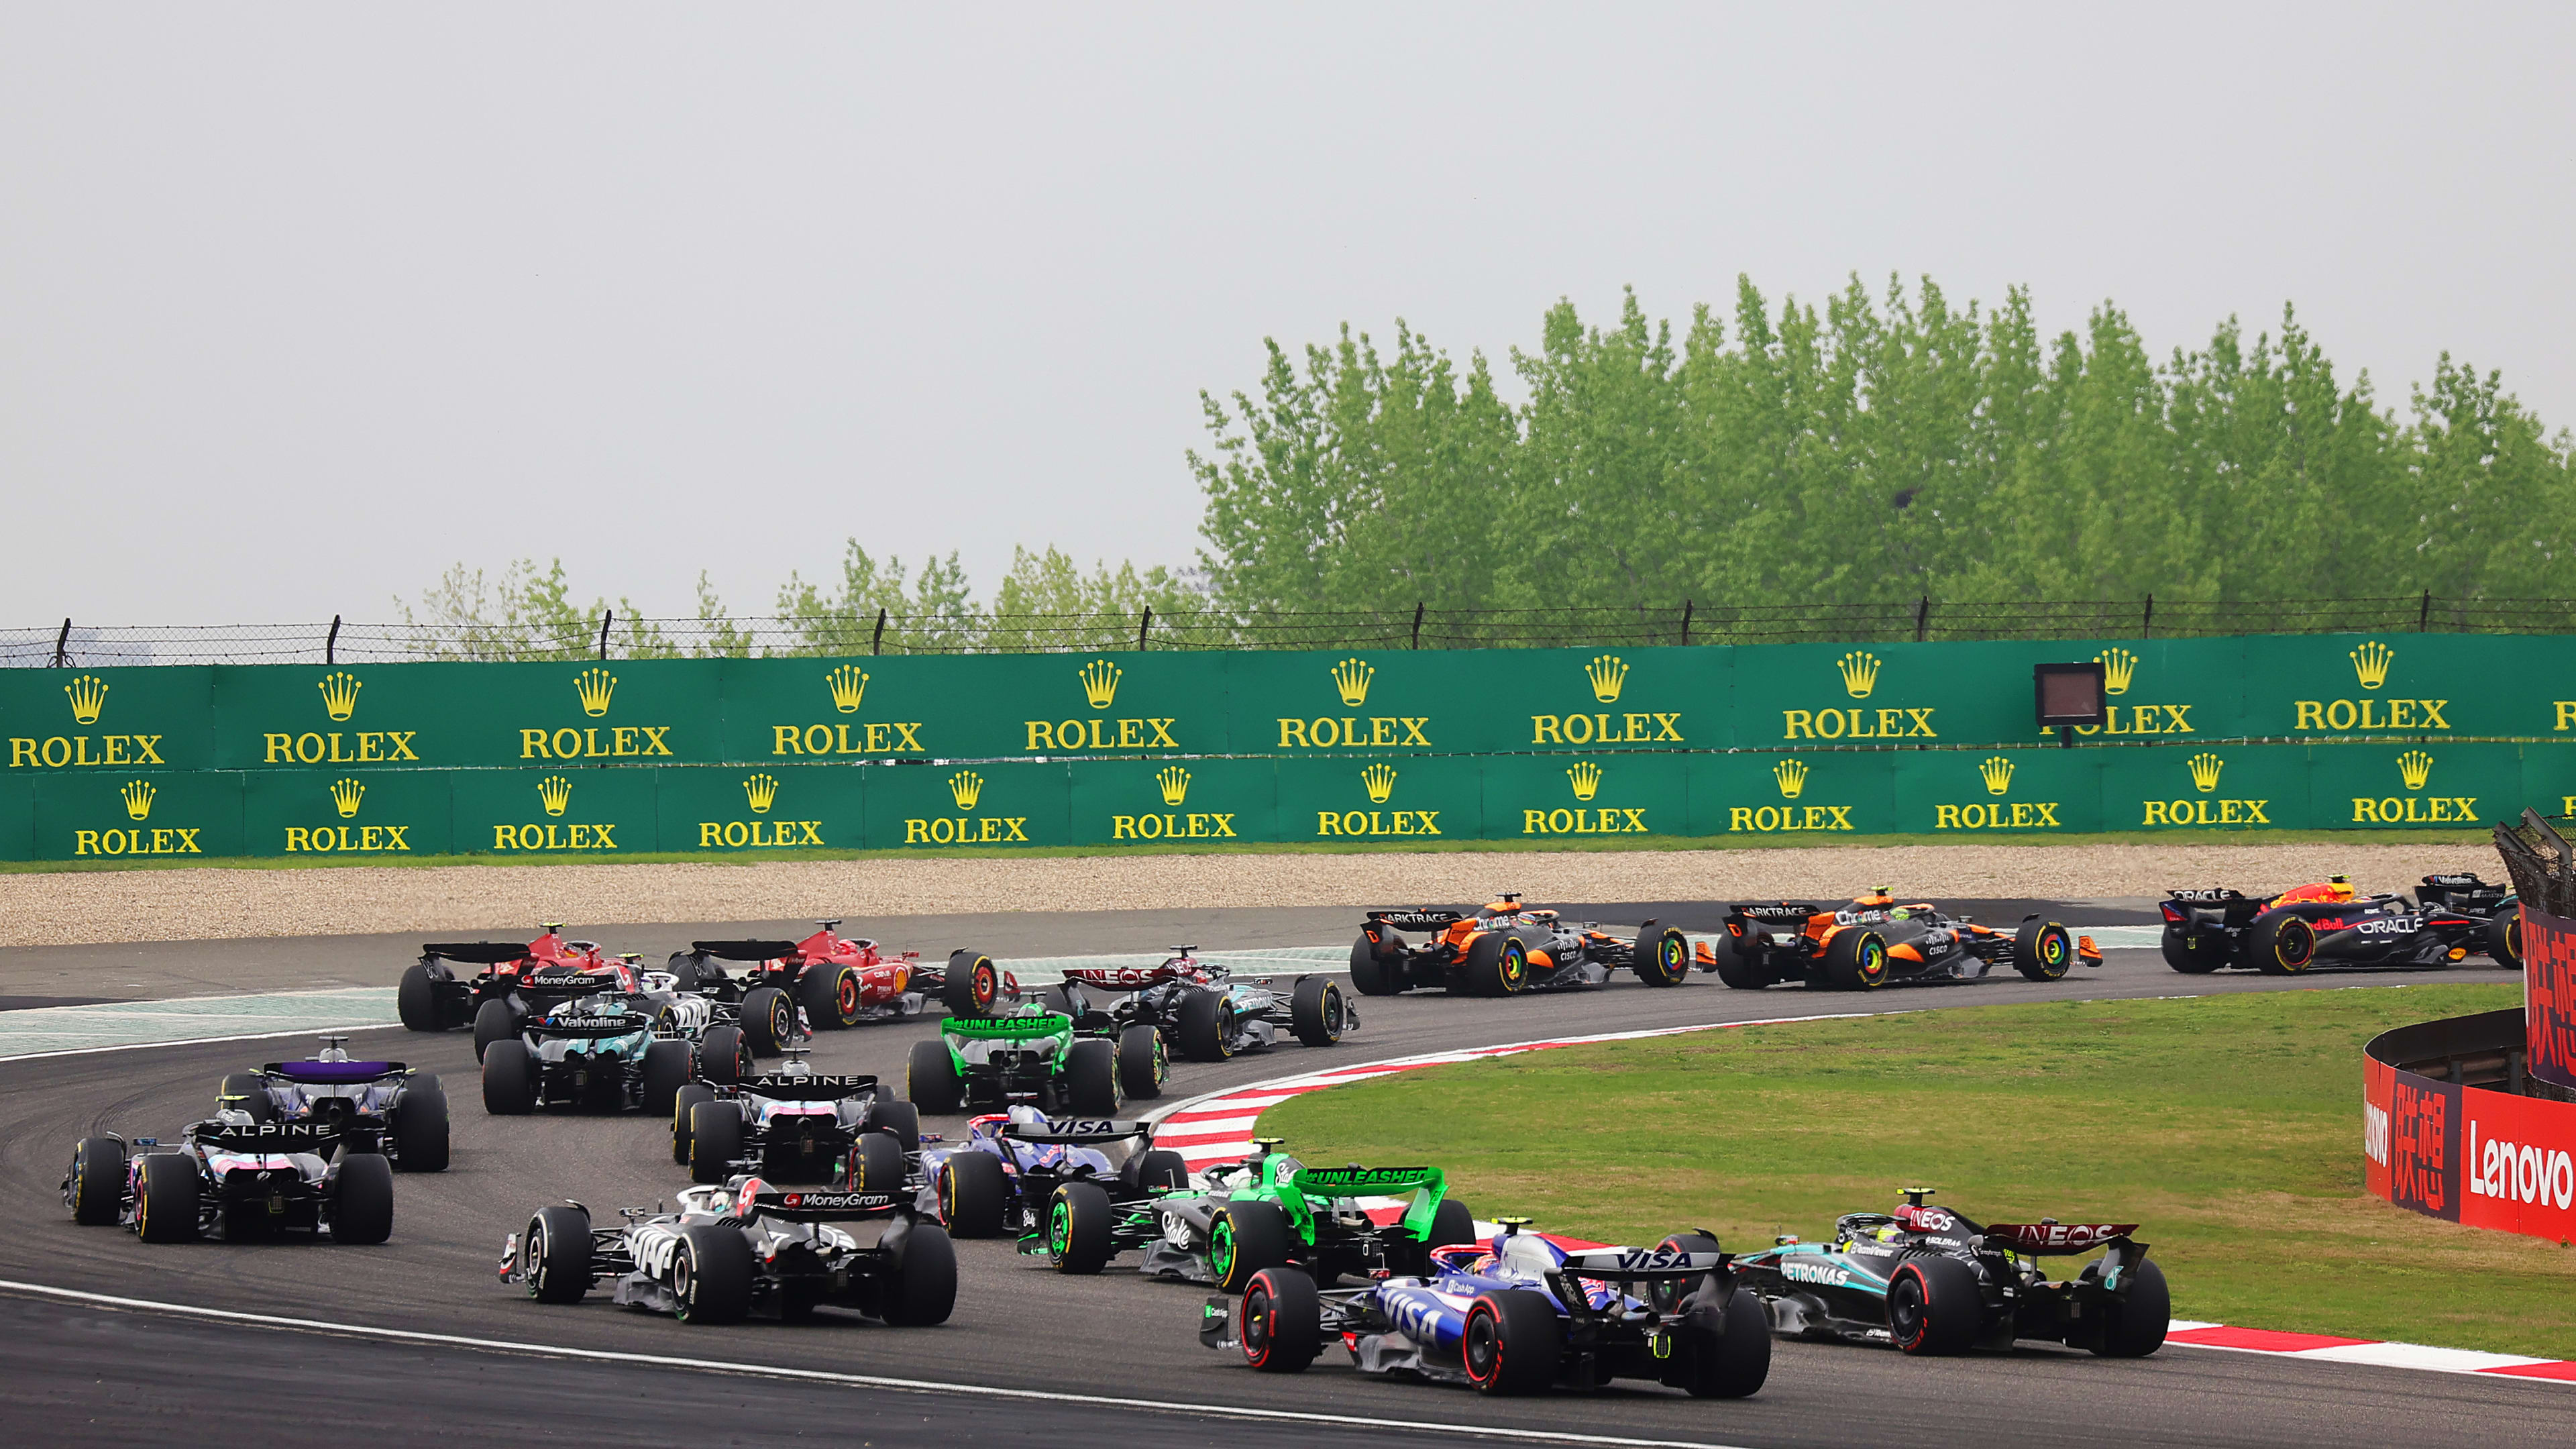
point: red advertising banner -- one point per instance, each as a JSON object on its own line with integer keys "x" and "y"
{"x": 2549, "y": 996}
{"x": 2487, "y": 1159}
{"x": 2518, "y": 1164}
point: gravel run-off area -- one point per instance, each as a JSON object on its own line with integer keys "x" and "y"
{"x": 45, "y": 909}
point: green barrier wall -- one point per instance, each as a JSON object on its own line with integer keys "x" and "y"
{"x": 940, "y": 752}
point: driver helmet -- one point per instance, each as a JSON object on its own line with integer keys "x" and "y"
{"x": 1025, "y": 1115}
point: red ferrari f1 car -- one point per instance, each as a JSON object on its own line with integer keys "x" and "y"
{"x": 842, "y": 981}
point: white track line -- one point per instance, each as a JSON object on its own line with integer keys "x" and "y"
{"x": 136, "y": 1046}
{"x": 866, "y": 1381}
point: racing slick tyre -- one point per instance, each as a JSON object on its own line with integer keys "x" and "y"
{"x": 2503, "y": 936}
{"x": 98, "y": 1181}
{"x": 1370, "y": 974}
{"x": 1206, "y": 1027}
{"x": 1144, "y": 1063}
{"x": 554, "y": 1254}
{"x": 1158, "y": 1168}
{"x": 493, "y": 1021}
{"x": 898, "y": 1120}
{"x": 1079, "y": 1217}
{"x": 1513, "y": 1342}
{"x": 769, "y": 1020}
{"x": 2193, "y": 953}
{"x": 416, "y": 1000}
{"x": 1663, "y": 961}
{"x": 723, "y": 1057}
{"x": 165, "y": 1210}
{"x": 1668, "y": 1294}
{"x": 247, "y": 1092}
{"x": 2042, "y": 950}
{"x": 666, "y": 1071}
{"x": 1934, "y": 1306}
{"x": 1733, "y": 967}
{"x": 362, "y": 1199}
{"x": 1316, "y": 1012}
{"x": 1091, "y": 1078}
{"x": 923, "y": 1288}
{"x": 2137, "y": 1326}
{"x": 711, "y": 1275}
{"x": 1246, "y": 1237}
{"x": 689, "y": 972}
{"x": 681, "y": 1102}
{"x": 1497, "y": 965}
{"x": 971, "y": 1194}
{"x": 1856, "y": 960}
{"x": 2282, "y": 944}
{"x": 876, "y": 1163}
{"x": 509, "y": 1079}
{"x": 1725, "y": 1349}
{"x": 930, "y": 1077}
{"x": 830, "y": 996}
{"x": 715, "y": 1140}
{"x": 1450, "y": 1223}
{"x": 974, "y": 984}
{"x": 1282, "y": 1323}
{"x": 420, "y": 1128}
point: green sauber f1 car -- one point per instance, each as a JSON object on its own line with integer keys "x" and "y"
{"x": 1271, "y": 1210}
{"x": 1031, "y": 1058}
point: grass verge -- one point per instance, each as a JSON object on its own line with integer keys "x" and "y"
{"x": 2229, "y": 1126}
{"x": 1413, "y": 846}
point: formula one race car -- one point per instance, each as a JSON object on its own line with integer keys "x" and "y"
{"x": 1080, "y": 1190}
{"x": 2329, "y": 924}
{"x": 1874, "y": 941}
{"x": 744, "y": 1248}
{"x": 234, "y": 1178}
{"x": 1516, "y": 1315}
{"x": 1198, "y": 1008}
{"x": 1031, "y": 1057}
{"x": 838, "y": 981}
{"x": 601, "y": 1051}
{"x": 1504, "y": 950}
{"x": 404, "y": 1109}
{"x": 796, "y": 1125}
{"x": 1270, "y": 1211}
{"x": 515, "y": 981}
{"x": 1932, "y": 1282}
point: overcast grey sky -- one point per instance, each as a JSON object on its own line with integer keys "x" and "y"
{"x": 301, "y": 304}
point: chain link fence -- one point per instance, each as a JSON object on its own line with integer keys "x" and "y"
{"x": 77, "y": 645}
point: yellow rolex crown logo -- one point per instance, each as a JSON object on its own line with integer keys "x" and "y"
{"x": 2204, "y": 772}
{"x": 345, "y": 795}
{"x": 849, "y": 685}
{"x": 1100, "y": 683}
{"x": 2415, "y": 767}
{"x": 1586, "y": 779}
{"x": 1608, "y": 676}
{"x": 555, "y": 792}
{"x": 1859, "y": 670}
{"x": 1380, "y": 780}
{"x": 1792, "y": 775}
{"x": 138, "y": 799}
{"x": 2119, "y": 666}
{"x": 2370, "y": 663}
{"x": 1176, "y": 785}
{"x": 89, "y": 696}
{"x": 762, "y": 792}
{"x": 1351, "y": 677}
{"x": 340, "y": 693}
{"x": 1998, "y": 773}
{"x": 595, "y": 686}
{"x": 966, "y": 787}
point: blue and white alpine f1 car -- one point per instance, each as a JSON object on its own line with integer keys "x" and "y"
{"x": 234, "y": 1178}
{"x": 406, "y": 1109}
{"x": 1516, "y": 1315}
{"x": 797, "y": 1125}
{"x": 1933, "y": 1282}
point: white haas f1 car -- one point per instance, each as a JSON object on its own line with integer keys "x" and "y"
{"x": 745, "y": 1248}
{"x": 1517, "y": 1315}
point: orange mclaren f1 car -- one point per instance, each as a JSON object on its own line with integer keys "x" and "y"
{"x": 1506, "y": 949}
{"x": 1874, "y": 941}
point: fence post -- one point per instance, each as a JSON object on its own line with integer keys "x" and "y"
{"x": 2147, "y": 622}
{"x": 331, "y": 646}
{"x": 2424, "y": 617}
{"x": 63, "y": 640}
{"x": 1922, "y": 618}
{"x": 877, "y": 644}
{"x": 604, "y": 620}
{"x": 1686, "y": 617}
{"x": 1417, "y": 624}
{"x": 1144, "y": 626}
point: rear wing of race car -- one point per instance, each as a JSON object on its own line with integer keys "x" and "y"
{"x": 809, "y": 1087}
{"x": 1641, "y": 1265}
{"x": 302, "y": 1136}
{"x": 2461, "y": 892}
{"x": 2234, "y": 906}
{"x": 1420, "y": 919}
{"x": 1008, "y": 1028}
{"x": 475, "y": 953}
{"x": 815, "y": 1205}
{"x": 1425, "y": 1184}
{"x": 2048, "y": 1238}
{"x": 1775, "y": 911}
{"x": 1075, "y": 1131}
{"x": 743, "y": 950}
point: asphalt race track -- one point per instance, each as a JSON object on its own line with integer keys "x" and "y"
{"x": 76, "y": 1370}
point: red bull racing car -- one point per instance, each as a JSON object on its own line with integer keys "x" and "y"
{"x": 1875, "y": 941}
{"x": 1505, "y": 949}
{"x": 2328, "y": 923}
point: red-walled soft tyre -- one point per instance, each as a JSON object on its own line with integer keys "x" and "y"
{"x": 1282, "y": 1325}
{"x": 1933, "y": 1306}
{"x": 1513, "y": 1342}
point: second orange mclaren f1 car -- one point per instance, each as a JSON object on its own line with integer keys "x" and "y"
{"x": 1506, "y": 949}
{"x": 1874, "y": 941}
